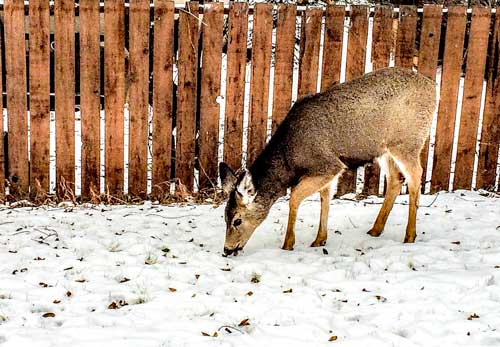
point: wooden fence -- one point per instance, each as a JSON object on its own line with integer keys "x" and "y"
{"x": 166, "y": 65}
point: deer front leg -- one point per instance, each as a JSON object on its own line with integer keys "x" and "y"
{"x": 306, "y": 187}
{"x": 323, "y": 220}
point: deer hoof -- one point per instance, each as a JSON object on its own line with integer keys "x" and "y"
{"x": 374, "y": 232}
{"x": 287, "y": 248}
{"x": 318, "y": 243}
{"x": 409, "y": 239}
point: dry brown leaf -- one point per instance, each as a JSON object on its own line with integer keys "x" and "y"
{"x": 332, "y": 338}
{"x": 49, "y": 315}
{"x": 205, "y": 334}
{"x": 288, "y": 291}
{"x": 56, "y": 301}
{"x": 250, "y": 293}
{"x": 472, "y": 316}
{"x": 172, "y": 289}
{"x": 244, "y": 322}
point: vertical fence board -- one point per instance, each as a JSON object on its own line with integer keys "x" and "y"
{"x": 382, "y": 37}
{"x": 235, "y": 83}
{"x": 163, "y": 51}
{"x": 473, "y": 86}
{"x": 452, "y": 69}
{"x": 490, "y": 134}
{"x": 382, "y": 40}
{"x": 213, "y": 17}
{"x": 138, "y": 97}
{"x": 283, "y": 68}
{"x": 186, "y": 94}
{"x": 2, "y": 134}
{"x": 355, "y": 67}
{"x": 309, "y": 51}
{"x": 332, "y": 45}
{"x": 15, "y": 66}
{"x": 39, "y": 86}
{"x": 428, "y": 60}
{"x": 64, "y": 13}
{"x": 259, "y": 88}
{"x": 114, "y": 94}
{"x": 90, "y": 97}
{"x": 407, "y": 29}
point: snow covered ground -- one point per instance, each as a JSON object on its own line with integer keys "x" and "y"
{"x": 154, "y": 276}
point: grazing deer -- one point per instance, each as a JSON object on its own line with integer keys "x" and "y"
{"x": 384, "y": 116}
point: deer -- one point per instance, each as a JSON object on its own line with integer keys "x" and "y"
{"x": 383, "y": 116}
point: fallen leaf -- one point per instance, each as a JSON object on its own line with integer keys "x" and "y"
{"x": 244, "y": 322}
{"x": 56, "y": 301}
{"x": 81, "y": 280}
{"x": 226, "y": 269}
{"x": 172, "y": 289}
{"x": 68, "y": 268}
{"x": 288, "y": 291}
{"x": 332, "y": 338}
{"x": 44, "y": 285}
{"x": 380, "y": 298}
{"x": 215, "y": 334}
{"x": 124, "y": 279}
{"x": 205, "y": 334}
{"x": 325, "y": 251}
{"x": 68, "y": 294}
{"x": 456, "y": 242}
{"x": 250, "y": 293}
{"x": 49, "y": 315}
{"x": 197, "y": 276}
{"x": 472, "y": 316}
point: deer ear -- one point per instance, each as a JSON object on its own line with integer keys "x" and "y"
{"x": 245, "y": 188}
{"x": 227, "y": 178}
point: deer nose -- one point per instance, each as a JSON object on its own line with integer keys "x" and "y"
{"x": 234, "y": 251}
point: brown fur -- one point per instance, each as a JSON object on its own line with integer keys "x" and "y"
{"x": 385, "y": 114}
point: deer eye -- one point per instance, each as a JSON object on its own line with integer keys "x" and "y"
{"x": 237, "y": 222}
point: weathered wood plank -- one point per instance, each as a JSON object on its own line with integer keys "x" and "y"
{"x": 235, "y": 83}
{"x": 309, "y": 51}
{"x": 283, "y": 68}
{"x": 259, "y": 88}
{"x": 473, "y": 86}
{"x": 186, "y": 94}
{"x": 332, "y": 45}
{"x": 452, "y": 69}
{"x": 212, "y": 31}
{"x": 490, "y": 133}
{"x": 15, "y": 66}
{"x": 428, "y": 60}
{"x": 64, "y": 13}
{"x": 114, "y": 94}
{"x": 138, "y": 97}
{"x": 163, "y": 61}
{"x": 407, "y": 30}
{"x": 90, "y": 97}
{"x": 39, "y": 85}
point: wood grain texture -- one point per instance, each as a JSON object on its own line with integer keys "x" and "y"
{"x": 163, "y": 61}
{"x": 407, "y": 30}
{"x": 382, "y": 45}
{"x": 15, "y": 66}
{"x": 452, "y": 68}
{"x": 283, "y": 68}
{"x": 332, "y": 45}
{"x": 490, "y": 133}
{"x": 473, "y": 86}
{"x": 355, "y": 67}
{"x": 90, "y": 97}
{"x": 2, "y": 137}
{"x": 235, "y": 84}
{"x": 309, "y": 51}
{"x": 114, "y": 94}
{"x": 186, "y": 94}
{"x": 138, "y": 97}
{"x": 428, "y": 60}
{"x": 259, "y": 87}
{"x": 39, "y": 86}
{"x": 212, "y": 31}
{"x": 64, "y": 13}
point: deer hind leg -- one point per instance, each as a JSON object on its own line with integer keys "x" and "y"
{"x": 306, "y": 187}
{"x": 323, "y": 220}
{"x": 412, "y": 170}
{"x": 394, "y": 183}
